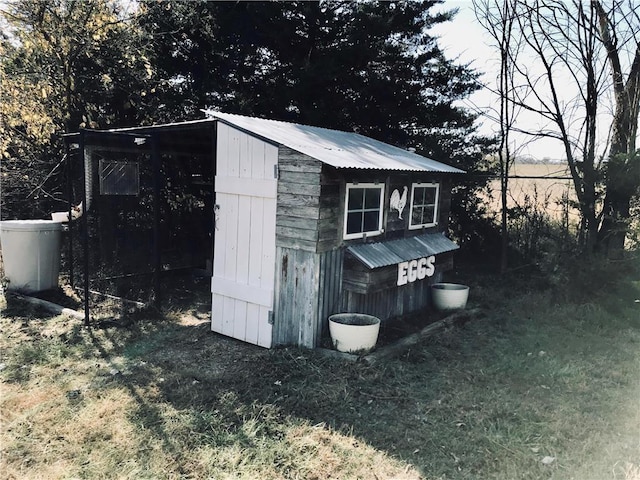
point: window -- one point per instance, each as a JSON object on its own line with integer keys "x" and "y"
{"x": 363, "y": 210}
{"x": 424, "y": 205}
{"x": 119, "y": 178}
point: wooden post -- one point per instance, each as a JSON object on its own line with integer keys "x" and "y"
{"x": 69, "y": 221}
{"x": 157, "y": 265}
{"x": 85, "y": 225}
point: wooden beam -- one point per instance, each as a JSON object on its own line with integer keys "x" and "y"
{"x": 49, "y": 306}
{"x": 456, "y": 318}
{"x": 393, "y": 350}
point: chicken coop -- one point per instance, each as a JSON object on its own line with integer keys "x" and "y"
{"x": 312, "y": 222}
{"x": 306, "y": 222}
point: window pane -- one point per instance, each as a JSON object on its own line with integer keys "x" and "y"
{"x": 430, "y": 196}
{"x": 355, "y": 198}
{"x": 354, "y": 222}
{"x": 119, "y": 178}
{"x": 428, "y": 215}
{"x": 416, "y": 216}
{"x": 418, "y": 196}
{"x": 371, "y": 221}
{"x": 372, "y": 198}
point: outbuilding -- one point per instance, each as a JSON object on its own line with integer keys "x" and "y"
{"x": 312, "y": 221}
{"x": 305, "y": 221}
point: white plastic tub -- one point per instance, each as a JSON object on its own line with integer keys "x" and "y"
{"x": 449, "y": 296}
{"x": 31, "y": 254}
{"x": 354, "y": 332}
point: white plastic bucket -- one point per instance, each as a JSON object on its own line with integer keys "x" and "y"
{"x": 449, "y": 296}
{"x": 354, "y": 332}
{"x": 31, "y": 254}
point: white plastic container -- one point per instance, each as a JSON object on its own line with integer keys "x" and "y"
{"x": 449, "y": 296}
{"x": 354, "y": 332}
{"x": 60, "y": 216}
{"x": 31, "y": 254}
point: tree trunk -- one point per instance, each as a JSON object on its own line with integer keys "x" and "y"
{"x": 623, "y": 171}
{"x": 623, "y": 174}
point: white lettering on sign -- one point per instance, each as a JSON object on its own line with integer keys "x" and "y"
{"x": 409, "y": 272}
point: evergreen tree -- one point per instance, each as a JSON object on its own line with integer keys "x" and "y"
{"x": 370, "y": 67}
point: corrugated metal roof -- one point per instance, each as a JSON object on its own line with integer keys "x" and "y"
{"x": 390, "y": 252}
{"x": 333, "y": 147}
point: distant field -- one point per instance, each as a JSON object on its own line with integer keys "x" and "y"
{"x": 546, "y": 193}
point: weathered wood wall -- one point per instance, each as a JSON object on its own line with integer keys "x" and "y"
{"x": 298, "y": 214}
{"x": 358, "y": 278}
{"x": 313, "y": 277}
{"x": 391, "y": 302}
{"x": 308, "y": 289}
{"x": 296, "y": 302}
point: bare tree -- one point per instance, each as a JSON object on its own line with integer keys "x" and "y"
{"x": 578, "y": 52}
{"x": 498, "y": 18}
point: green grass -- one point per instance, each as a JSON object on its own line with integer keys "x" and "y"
{"x": 538, "y": 376}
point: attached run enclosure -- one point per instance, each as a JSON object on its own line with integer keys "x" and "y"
{"x": 142, "y": 206}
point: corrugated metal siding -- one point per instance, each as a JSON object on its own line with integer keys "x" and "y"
{"x": 330, "y": 288}
{"x": 333, "y": 147}
{"x": 381, "y": 254}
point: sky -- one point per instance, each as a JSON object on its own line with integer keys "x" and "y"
{"x": 465, "y": 39}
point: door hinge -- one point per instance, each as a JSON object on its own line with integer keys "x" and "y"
{"x": 276, "y": 172}
{"x": 270, "y": 317}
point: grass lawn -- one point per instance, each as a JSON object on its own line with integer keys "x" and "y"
{"x": 545, "y": 386}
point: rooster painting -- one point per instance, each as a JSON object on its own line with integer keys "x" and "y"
{"x": 398, "y": 202}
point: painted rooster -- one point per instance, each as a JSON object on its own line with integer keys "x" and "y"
{"x": 398, "y": 202}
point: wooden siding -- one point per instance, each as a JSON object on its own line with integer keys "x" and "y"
{"x": 331, "y": 204}
{"x": 308, "y": 290}
{"x": 360, "y": 279}
{"x": 445, "y": 204}
{"x": 333, "y": 183}
{"x": 331, "y": 289}
{"x": 296, "y": 302}
{"x": 311, "y": 202}
{"x": 392, "y": 302}
{"x": 299, "y": 194}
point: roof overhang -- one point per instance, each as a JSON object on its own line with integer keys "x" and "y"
{"x": 392, "y": 252}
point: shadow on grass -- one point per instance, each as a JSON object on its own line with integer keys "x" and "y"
{"x": 455, "y": 405}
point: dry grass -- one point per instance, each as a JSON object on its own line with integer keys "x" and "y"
{"x": 166, "y": 398}
{"x": 547, "y": 193}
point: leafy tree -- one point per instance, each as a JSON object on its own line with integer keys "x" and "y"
{"x": 66, "y": 64}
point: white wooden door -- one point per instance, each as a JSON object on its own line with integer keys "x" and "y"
{"x": 243, "y": 280}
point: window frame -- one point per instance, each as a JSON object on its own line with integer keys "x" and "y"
{"x": 436, "y": 205}
{"x": 372, "y": 233}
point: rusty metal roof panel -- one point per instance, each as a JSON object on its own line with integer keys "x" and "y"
{"x": 334, "y": 147}
{"x": 391, "y": 252}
